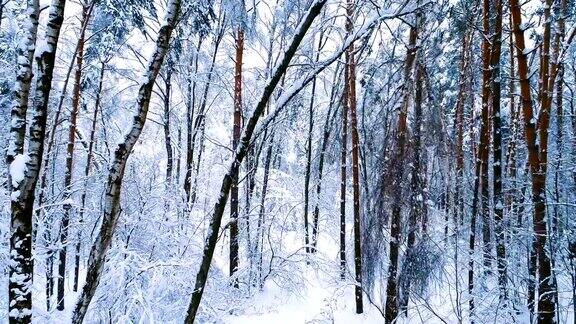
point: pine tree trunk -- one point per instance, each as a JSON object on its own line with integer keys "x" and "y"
{"x": 498, "y": 201}
{"x": 484, "y": 146}
{"x": 546, "y": 295}
{"x": 416, "y": 186}
{"x": 391, "y": 312}
{"x": 118, "y": 165}
{"x": 459, "y": 120}
{"x": 64, "y": 226}
{"x": 351, "y": 87}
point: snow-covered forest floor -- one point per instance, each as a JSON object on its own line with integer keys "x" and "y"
{"x": 288, "y": 161}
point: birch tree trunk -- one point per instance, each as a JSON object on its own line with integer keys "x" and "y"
{"x": 21, "y": 263}
{"x": 116, "y": 174}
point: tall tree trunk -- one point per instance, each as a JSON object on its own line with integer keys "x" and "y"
{"x": 327, "y": 128}
{"x": 461, "y": 102}
{"x": 191, "y": 104}
{"x": 76, "y": 99}
{"x": 167, "y": 133}
{"x": 309, "y": 163}
{"x": 498, "y": 200}
{"x": 118, "y": 165}
{"x": 200, "y": 121}
{"x": 391, "y": 312}
{"x": 23, "y": 201}
{"x": 351, "y": 85}
{"x": 21, "y": 262}
{"x": 235, "y": 139}
{"x": 261, "y": 214}
{"x": 210, "y": 243}
{"x": 343, "y": 174}
{"x": 416, "y": 186}
{"x": 546, "y": 300}
{"x": 307, "y": 174}
{"x": 484, "y": 146}
{"x": 89, "y": 157}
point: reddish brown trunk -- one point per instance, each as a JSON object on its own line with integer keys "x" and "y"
{"x": 351, "y": 84}
{"x": 546, "y": 295}
{"x": 391, "y": 312}
{"x": 76, "y": 98}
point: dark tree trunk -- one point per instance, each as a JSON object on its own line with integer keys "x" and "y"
{"x": 391, "y": 312}
{"x": 235, "y": 139}
{"x": 191, "y": 104}
{"x": 87, "y": 167}
{"x": 416, "y": 186}
{"x": 498, "y": 200}
{"x": 167, "y": 133}
{"x": 241, "y": 151}
{"x": 343, "y": 174}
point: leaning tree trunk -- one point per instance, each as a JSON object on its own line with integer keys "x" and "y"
{"x": 114, "y": 182}
{"x": 241, "y": 151}
{"x": 21, "y": 263}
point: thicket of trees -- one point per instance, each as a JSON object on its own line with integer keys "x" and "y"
{"x": 421, "y": 154}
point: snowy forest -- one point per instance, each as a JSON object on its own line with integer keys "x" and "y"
{"x": 288, "y": 161}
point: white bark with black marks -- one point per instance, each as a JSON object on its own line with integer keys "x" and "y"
{"x": 116, "y": 173}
